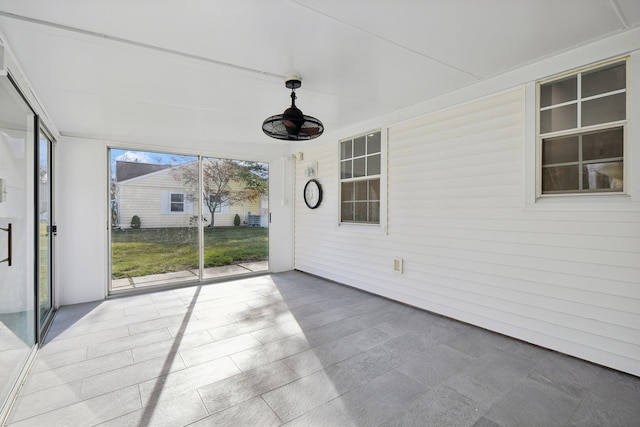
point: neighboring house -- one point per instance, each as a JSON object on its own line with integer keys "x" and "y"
{"x": 160, "y": 200}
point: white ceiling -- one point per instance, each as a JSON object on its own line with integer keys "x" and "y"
{"x": 214, "y": 70}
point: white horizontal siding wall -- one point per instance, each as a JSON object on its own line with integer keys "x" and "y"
{"x": 564, "y": 279}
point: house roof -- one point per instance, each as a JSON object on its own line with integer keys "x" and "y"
{"x": 129, "y": 170}
{"x": 192, "y": 70}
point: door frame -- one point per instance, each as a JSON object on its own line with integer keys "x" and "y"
{"x": 42, "y": 327}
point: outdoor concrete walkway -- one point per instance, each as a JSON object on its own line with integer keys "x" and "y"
{"x": 296, "y": 350}
{"x": 189, "y": 275}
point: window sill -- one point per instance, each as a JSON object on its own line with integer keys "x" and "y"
{"x": 362, "y": 228}
{"x": 582, "y": 202}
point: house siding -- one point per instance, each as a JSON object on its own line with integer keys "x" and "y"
{"x": 473, "y": 249}
{"x": 142, "y": 196}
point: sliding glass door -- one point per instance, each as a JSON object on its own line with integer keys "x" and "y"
{"x": 236, "y": 228}
{"x": 178, "y": 218}
{"x": 17, "y": 291}
{"x": 45, "y": 228}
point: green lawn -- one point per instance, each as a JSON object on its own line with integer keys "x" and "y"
{"x": 141, "y": 252}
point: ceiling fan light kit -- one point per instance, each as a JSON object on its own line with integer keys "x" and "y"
{"x": 292, "y": 124}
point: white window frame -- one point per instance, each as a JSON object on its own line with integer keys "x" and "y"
{"x": 365, "y": 226}
{"x": 581, "y": 130}
{"x": 171, "y": 202}
{"x": 165, "y": 200}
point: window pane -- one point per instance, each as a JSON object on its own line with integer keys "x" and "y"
{"x": 345, "y": 150}
{"x": 602, "y": 145}
{"x": 373, "y": 165}
{"x": 361, "y": 190}
{"x": 374, "y": 212}
{"x": 177, "y": 197}
{"x": 560, "y": 150}
{"x": 347, "y": 211}
{"x": 604, "y": 80}
{"x": 345, "y": 169}
{"x": 560, "y": 118}
{"x": 603, "y": 110}
{"x": 558, "y": 92}
{"x": 177, "y": 207}
{"x": 358, "y": 167}
{"x": 560, "y": 178}
{"x": 359, "y": 146}
{"x": 373, "y": 143}
{"x": 600, "y": 176}
{"x": 361, "y": 211}
{"x": 347, "y": 191}
{"x": 374, "y": 189}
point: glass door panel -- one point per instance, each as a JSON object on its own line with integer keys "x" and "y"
{"x": 154, "y": 219}
{"x": 44, "y": 228}
{"x": 235, "y": 211}
{"x": 17, "y": 301}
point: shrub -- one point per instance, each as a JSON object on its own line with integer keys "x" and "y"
{"x": 135, "y": 221}
{"x": 236, "y": 220}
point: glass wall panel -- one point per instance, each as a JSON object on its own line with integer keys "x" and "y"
{"x": 177, "y": 218}
{"x": 17, "y": 292}
{"x": 155, "y": 207}
{"x": 235, "y": 217}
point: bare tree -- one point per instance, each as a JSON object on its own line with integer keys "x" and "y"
{"x": 218, "y": 179}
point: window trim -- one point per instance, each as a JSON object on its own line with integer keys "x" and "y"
{"x": 182, "y": 203}
{"x": 578, "y": 72}
{"x": 367, "y": 227}
{"x": 165, "y": 203}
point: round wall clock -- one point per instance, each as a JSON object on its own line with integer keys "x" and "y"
{"x": 312, "y": 194}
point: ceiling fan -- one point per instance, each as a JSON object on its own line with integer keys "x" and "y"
{"x": 292, "y": 124}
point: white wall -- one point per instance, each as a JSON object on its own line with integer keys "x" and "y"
{"x": 81, "y": 194}
{"x": 82, "y": 206}
{"x": 477, "y": 246}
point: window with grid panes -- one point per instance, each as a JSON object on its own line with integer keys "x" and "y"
{"x": 360, "y": 171}
{"x": 177, "y": 202}
{"x": 582, "y": 129}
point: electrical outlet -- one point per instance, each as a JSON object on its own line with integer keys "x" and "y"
{"x": 397, "y": 265}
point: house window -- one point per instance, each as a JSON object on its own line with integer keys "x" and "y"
{"x": 177, "y": 202}
{"x": 221, "y": 204}
{"x": 360, "y": 172}
{"x": 582, "y": 121}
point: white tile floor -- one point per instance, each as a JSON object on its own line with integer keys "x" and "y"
{"x": 292, "y": 349}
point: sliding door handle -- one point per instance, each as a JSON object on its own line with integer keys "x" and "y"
{"x": 8, "y": 258}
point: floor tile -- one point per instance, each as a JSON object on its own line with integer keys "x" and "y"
{"x": 531, "y": 403}
{"x": 182, "y": 411}
{"x": 175, "y": 384}
{"x": 217, "y": 349}
{"x": 320, "y": 357}
{"x": 167, "y": 347}
{"x": 231, "y": 391}
{"x": 435, "y": 365}
{"x": 442, "y": 406}
{"x": 296, "y": 398}
{"x": 126, "y": 343}
{"x": 40, "y": 402}
{"x": 368, "y": 405}
{"x": 69, "y": 373}
{"x": 129, "y": 375}
{"x": 88, "y": 412}
{"x": 254, "y": 412}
